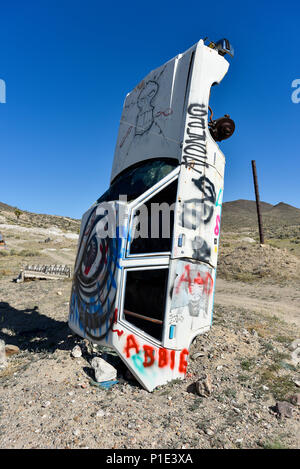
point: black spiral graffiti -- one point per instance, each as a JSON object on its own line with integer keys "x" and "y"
{"x": 94, "y": 283}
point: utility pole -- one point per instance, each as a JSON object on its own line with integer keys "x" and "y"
{"x": 260, "y": 227}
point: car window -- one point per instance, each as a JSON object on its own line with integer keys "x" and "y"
{"x": 137, "y": 180}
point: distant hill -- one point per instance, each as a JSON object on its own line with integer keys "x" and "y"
{"x": 6, "y": 208}
{"x": 235, "y": 215}
{"x": 242, "y": 213}
{"x": 38, "y": 220}
{"x": 286, "y": 212}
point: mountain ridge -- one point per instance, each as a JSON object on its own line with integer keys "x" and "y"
{"x": 236, "y": 214}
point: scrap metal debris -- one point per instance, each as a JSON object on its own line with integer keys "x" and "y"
{"x": 44, "y": 271}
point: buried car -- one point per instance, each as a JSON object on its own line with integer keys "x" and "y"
{"x": 145, "y": 270}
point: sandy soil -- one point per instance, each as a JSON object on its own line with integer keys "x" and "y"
{"x": 48, "y": 400}
{"x": 278, "y": 300}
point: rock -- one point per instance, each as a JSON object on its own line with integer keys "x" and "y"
{"x": 248, "y": 240}
{"x": 208, "y": 432}
{"x": 197, "y": 355}
{"x": 103, "y": 370}
{"x": 284, "y": 409}
{"x": 295, "y": 399}
{"x": 11, "y": 350}
{"x": 294, "y": 345}
{"x": 204, "y": 386}
{"x": 20, "y": 277}
{"x": 297, "y": 382}
{"x": 295, "y": 356}
{"x": 76, "y": 352}
{"x": 3, "y": 362}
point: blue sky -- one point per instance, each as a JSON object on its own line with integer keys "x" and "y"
{"x": 69, "y": 64}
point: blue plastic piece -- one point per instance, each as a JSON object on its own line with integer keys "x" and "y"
{"x": 105, "y": 384}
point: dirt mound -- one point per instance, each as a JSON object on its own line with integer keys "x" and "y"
{"x": 244, "y": 261}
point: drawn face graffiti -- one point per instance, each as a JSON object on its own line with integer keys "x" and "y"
{"x": 198, "y": 303}
{"x": 209, "y": 197}
{"x": 94, "y": 286}
{"x": 145, "y": 117}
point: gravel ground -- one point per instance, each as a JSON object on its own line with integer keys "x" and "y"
{"x": 48, "y": 400}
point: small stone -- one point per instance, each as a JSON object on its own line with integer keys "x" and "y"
{"x": 204, "y": 386}
{"x": 100, "y": 413}
{"x": 295, "y": 399}
{"x": 209, "y": 432}
{"x": 3, "y": 361}
{"x": 219, "y": 367}
{"x": 103, "y": 370}
{"x": 284, "y": 409}
{"x": 265, "y": 388}
{"x": 59, "y": 293}
{"x": 297, "y": 382}
{"x": 246, "y": 239}
{"x": 295, "y": 356}
{"x": 46, "y": 404}
{"x": 11, "y": 350}
{"x": 295, "y": 344}
{"x": 197, "y": 355}
{"x": 76, "y": 432}
{"x": 76, "y": 352}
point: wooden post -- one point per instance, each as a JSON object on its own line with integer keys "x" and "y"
{"x": 260, "y": 226}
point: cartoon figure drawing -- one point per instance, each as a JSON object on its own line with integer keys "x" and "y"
{"x": 145, "y": 116}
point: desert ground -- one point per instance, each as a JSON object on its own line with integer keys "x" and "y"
{"x": 48, "y": 398}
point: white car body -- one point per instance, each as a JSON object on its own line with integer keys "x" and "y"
{"x": 165, "y": 118}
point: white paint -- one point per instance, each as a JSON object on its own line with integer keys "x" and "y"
{"x": 165, "y": 116}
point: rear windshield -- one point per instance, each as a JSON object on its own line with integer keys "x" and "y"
{"x": 138, "y": 179}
